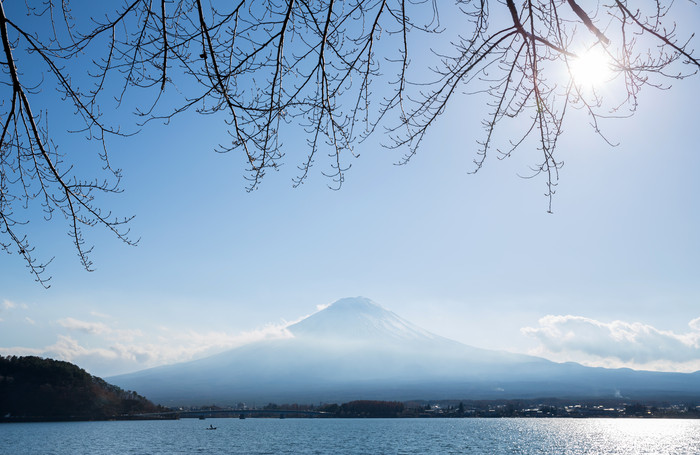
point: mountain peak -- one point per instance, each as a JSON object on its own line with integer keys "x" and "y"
{"x": 357, "y": 318}
{"x": 355, "y": 349}
{"x": 355, "y": 305}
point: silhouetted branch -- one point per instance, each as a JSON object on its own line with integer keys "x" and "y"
{"x": 331, "y": 71}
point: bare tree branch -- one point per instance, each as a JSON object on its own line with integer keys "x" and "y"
{"x": 334, "y": 71}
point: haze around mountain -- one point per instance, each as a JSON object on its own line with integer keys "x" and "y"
{"x": 356, "y": 349}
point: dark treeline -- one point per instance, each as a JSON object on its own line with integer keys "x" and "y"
{"x": 354, "y": 409}
{"x": 546, "y": 407}
{"x": 35, "y": 389}
{"x": 365, "y": 408}
{"x": 552, "y": 407}
{"x": 32, "y": 388}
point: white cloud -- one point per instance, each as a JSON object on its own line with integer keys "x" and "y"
{"x": 30, "y": 320}
{"x": 125, "y": 336}
{"x": 617, "y": 343}
{"x": 100, "y": 329}
{"x": 66, "y": 348}
{"x": 9, "y": 305}
{"x": 97, "y": 360}
{"x": 695, "y": 324}
{"x": 175, "y": 346}
{"x": 110, "y": 351}
{"x": 92, "y": 328}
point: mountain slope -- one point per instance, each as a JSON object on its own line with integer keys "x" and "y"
{"x": 355, "y": 349}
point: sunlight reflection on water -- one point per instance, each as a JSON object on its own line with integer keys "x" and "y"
{"x": 357, "y": 436}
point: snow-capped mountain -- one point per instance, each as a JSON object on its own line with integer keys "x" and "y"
{"x": 355, "y": 349}
{"x": 359, "y": 318}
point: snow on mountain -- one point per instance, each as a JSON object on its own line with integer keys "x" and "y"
{"x": 359, "y": 318}
{"x": 355, "y": 349}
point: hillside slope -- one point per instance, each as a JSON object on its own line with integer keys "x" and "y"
{"x": 32, "y": 388}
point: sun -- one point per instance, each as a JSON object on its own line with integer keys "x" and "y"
{"x": 591, "y": 68}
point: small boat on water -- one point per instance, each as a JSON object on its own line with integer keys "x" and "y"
{"x": 211, "y": 427}
{"x": 242, "y": 416}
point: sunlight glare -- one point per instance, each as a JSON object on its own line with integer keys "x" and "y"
{"x": 591, "y": 68}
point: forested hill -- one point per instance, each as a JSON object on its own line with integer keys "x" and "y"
{"x": 32, "y": 388}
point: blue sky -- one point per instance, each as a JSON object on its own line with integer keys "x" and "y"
{"x": 610, "y": 278}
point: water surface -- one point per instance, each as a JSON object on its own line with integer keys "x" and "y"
{"x": 356, "y": 436}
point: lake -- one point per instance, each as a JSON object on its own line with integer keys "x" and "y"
{"x": 356, "y": 436}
